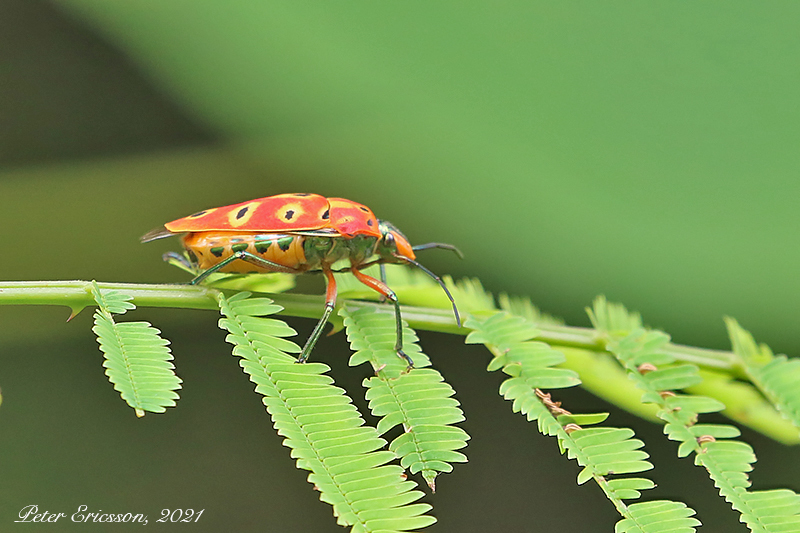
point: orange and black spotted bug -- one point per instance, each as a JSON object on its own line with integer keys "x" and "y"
{"x": 298, "y": 233}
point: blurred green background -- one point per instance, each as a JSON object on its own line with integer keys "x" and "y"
{"x": 646, "y": 151}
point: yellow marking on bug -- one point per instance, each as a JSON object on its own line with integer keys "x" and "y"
{"x": 290, "y": 213}
{"x": 203, "y": 213}
{"x": 239, "y": 216}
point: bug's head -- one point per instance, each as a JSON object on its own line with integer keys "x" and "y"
{"x": 393, "y": 243}
{"x": 393, "y": 247}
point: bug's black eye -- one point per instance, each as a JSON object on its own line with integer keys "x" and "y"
{"x": 389, "y": 239}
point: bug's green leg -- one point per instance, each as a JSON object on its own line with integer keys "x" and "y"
{"x": 384, "y": 289}
{"x": 244, "y": 256}
{"x": 330, "y": 302}
{"x": 382, "y": 267}
{"x": 438, "y": 280}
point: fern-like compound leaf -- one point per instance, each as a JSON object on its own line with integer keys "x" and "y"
{"x": 603, "y": 452}
{"x": 137, "y": 358}
{"x": 643, "y": 354}
{"x": 777, "y": 377}
{"x": 321, "y": 426}
{"x": 419, "y": 400}
{"x": 533, "y": 362}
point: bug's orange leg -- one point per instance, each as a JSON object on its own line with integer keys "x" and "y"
{"x": 250, "y": 258}
{"x": 330, "y": 302}
{"x": 384, "y": 290}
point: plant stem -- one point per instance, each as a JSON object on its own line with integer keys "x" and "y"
{"x": 77, "y": 295}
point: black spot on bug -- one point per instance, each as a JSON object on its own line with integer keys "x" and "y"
{"x": 285, "y": 243}
{"x": 364, "y": 209}
{"x": 239, "y": 247}
{"x": 242, "y": 212}
{"x": 289, "y": 214}
{"x": 262, "y": 247}
{"x": 198, "y": 214}
{"x": 326, "y": 215}
{"x": 217, "y": 251}
{"x": 369, "y": 222}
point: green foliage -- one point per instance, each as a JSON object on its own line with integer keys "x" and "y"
{"x": 601, "y": 451}
{"x": 419, "y": 400}
{"x": 777, "y": 377}
{"x": 356, "y": 470}
{"x": 137, "y": 359}
{"x": 321, "y": 425}
{"x": 656, "y": 372}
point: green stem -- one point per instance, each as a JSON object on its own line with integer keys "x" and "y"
{"x": 77, "y": 295}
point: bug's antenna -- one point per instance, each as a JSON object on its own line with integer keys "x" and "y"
{"x": 438, "y": 245}
{"x": 437, "y": 278}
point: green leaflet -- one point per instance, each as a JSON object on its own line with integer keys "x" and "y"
{"x": 325, "y": 431}
{"x": 601, "y": 451}
{"x": 137, "y": 359}
{"x": 419, "y": 400}
{"x": 777, "y": 377}
{"x": 609, "y": 317}
{"x": 659, "y": 516}
{"x": 643, "y": 354}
